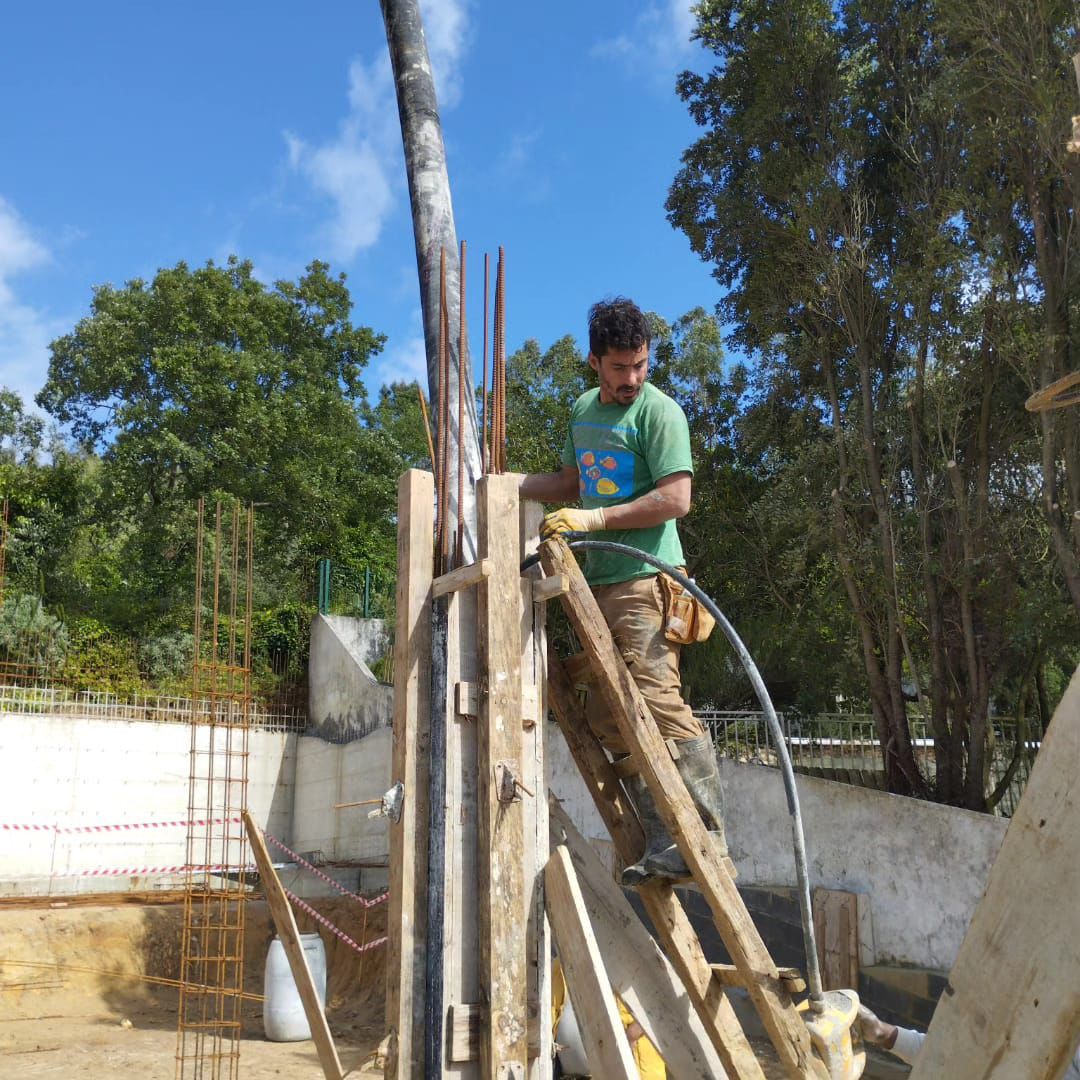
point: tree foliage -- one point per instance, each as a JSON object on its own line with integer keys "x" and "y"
{"x": 831, "y": 189}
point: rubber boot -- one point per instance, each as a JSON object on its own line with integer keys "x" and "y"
{"x": 700, "y": 770}
{"x": 657, "y": 837}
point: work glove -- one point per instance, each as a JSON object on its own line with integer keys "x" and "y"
{"x": 570, "y": 520}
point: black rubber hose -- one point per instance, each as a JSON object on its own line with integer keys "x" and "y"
{"x": 813, "y": 972}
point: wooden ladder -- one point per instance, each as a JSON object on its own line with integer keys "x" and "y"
{"x": 754, "y": 969}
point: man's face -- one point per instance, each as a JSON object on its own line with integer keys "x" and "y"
{"x": 622, "y": 374}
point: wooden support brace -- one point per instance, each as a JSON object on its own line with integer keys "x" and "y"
{"x": 606, "y": 1047}
{"x": 504, "y": 1042}
{"x": 639, "y": 972}
{"x": 728, "y": 975}
{"x": 410, "y": 754}
{"x": 285, "y": 924}
{"x": 674, "y": 929}
{"x": 549, "y": 588}
{"x": 461, "y": 578}
{"x": 785, "y": 1027}
{"x": 1012, "y": 1003}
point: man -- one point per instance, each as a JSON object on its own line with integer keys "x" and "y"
{"x": 627, "y": 459}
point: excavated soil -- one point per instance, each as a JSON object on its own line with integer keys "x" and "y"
{"x": 71, "y": 1002}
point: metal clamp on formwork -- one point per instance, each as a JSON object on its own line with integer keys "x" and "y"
{"x": 507, "y": 784}
{"x": 390, "y": 804}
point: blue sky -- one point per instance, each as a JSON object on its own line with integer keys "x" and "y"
{"x": 135, "y": 135}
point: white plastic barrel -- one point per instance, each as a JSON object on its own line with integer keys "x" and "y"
{"x": 283, "y": 1011}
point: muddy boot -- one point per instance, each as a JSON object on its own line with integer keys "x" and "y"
{"x": 700, "y": 770}
{"x": 657, "y": 838}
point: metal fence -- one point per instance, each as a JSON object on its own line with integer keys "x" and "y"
{"x": 343, "y": 591}
{"x": 845, "y": 747}
{"x": 157, "y": 708}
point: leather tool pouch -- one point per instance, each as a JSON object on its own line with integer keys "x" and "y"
{"x": 686, "y": 619}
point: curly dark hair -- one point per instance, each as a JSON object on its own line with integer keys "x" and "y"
{"x": 617, "y": 323}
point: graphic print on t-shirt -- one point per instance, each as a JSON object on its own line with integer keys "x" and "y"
{"x": 605, "y": 474}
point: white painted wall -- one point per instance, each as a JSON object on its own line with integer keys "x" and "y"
{"x": 73, "y": 771}
{"x": 327, "y": 774}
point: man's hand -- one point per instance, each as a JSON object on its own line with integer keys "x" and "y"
{"x": 875, "y": 1031}
{"x": 570, "y": 520}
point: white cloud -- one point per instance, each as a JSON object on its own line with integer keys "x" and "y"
{"x": 360, "y": 171}
{"x": 402, "y": 362}
{"x": 25, "y": 331}
{"x": 660, "y": 36}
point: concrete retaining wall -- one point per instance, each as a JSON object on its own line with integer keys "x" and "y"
{"x": 73, "y": 771}
{"x": 345, "y": 700}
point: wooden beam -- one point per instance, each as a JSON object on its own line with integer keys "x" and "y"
{"x": 729, "y": 975}
{"x": 639, "y": 972}
{"x": 501, "y": 834}
{"x": 409, "y": 764}
{"x": 467, "y": 1020}
{"x": 606, "y": 1046}
{"x": 549, "y": 588}
{"x": 285, "y": 924}
{"x": 672, "y": 925}
{"x": 1011, "y": 1006}
{"x": 782, "y": 1022}
{"x": 461, "y": 578}
{"x": 836, "y": 928}
{"x": 535, "y": 810}
{"x": 467, "y": 702}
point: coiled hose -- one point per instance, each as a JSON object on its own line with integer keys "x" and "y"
{"x": 813, "y": 972}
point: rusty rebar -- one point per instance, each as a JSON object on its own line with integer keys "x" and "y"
{"x": 427, "y": 425}
{"x": 485, "y": 462}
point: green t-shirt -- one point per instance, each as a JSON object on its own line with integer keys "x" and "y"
{"x": 620, "y": 452}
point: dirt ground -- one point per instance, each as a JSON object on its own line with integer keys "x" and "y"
{"x": 70, "y": 1006}
{"x": 71, "y": 1003}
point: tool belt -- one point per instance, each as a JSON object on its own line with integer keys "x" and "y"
{"x": 686, "y": 619}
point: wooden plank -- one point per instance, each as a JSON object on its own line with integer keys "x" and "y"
{"x": 467, "y": 700}
{"x": 639, "y": 972}
{"x": 782, "y": 1022}
{"x": 1012, "y": 1003}
{"x": 549, "y": 588}
{"x": 499, "y": 747}
{"x": 407, "y": 914}
{"x": 672, "y": 925}
{"x": 467, "y": 1020}
{"x": 836, "y": 927}
{"x": 535, "y": 810}
{"x": 729, "y": 975}
{"x": 606, "y": 1047}
{"x": 461, "y": 578}
{"x": 285, "y": 924}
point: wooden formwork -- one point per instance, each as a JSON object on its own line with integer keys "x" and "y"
{"x": 469, "y": 947}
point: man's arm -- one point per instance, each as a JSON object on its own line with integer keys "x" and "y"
{"x": 561, "y": 486}
{"x": 669, "y": 499}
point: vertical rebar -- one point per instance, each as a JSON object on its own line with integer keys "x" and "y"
{"x": 427, "y": 427}
{"x": 485, "y": 460}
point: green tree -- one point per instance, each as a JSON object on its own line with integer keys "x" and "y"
{"x": 826, "y": 191}
{"x": 208, "y": 383}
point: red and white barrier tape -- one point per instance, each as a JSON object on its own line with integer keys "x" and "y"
{"x": 330, "y": 926}
{"x": 148, "y": 871}
{"x": 123, "y": 827}
{"x": 362, "y": 901}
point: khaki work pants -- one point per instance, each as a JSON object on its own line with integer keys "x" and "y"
{"x": 634, "y": 612}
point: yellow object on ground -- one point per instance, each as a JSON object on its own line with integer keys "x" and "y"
{"x": 833, "y": 1036}
{"x": 647, "y": 1058}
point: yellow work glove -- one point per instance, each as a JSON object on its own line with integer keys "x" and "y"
{"x": 570, "y": 520}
